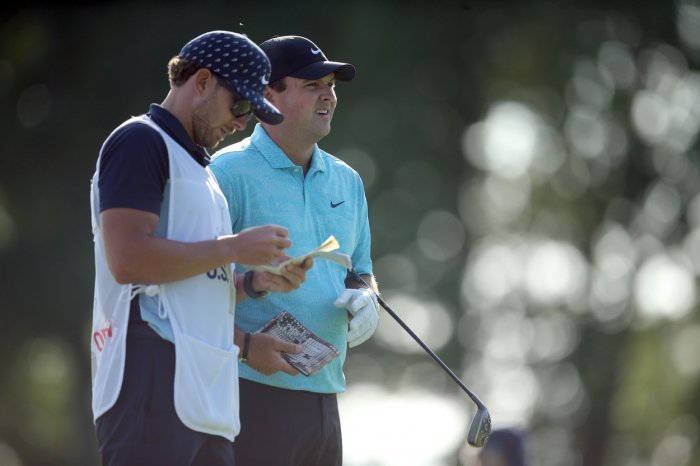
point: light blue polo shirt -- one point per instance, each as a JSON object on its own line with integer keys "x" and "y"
{"x": 262, "y": 186}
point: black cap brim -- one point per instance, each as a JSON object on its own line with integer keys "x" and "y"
{"x": 270, "y": 118}
{"x": 342, "y": 71}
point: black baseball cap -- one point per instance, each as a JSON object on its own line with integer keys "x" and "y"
{"x": 298, "y": 57}
{"x": 240, "y": 63}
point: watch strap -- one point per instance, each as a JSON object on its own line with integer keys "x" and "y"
{"x": 246, "y": 347}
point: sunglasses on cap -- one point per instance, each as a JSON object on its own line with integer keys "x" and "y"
{"x": 240, "y": 106}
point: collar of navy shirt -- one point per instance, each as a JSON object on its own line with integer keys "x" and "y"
{"x": 175, "y": 130}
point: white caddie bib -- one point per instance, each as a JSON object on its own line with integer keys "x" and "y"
{"x": 200, "y": 309}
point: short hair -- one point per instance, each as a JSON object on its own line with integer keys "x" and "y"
{"x": 180, "y": 70}
{"x": 279, "y": 85}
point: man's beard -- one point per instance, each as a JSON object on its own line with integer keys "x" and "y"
{"x": 203, "y": 134}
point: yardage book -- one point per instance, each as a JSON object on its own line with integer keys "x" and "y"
{"x": 324, "y": 251}
{"x": 315, "y": 352}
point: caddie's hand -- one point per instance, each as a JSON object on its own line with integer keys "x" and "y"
{"x": 258, "y": 245}
{"x": 265, "y": 354}
{"x": 363, "y": 307}
{"x": 292, "y": 277}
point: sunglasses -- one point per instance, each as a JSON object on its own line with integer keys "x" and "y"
{"x": 240, "y": 106}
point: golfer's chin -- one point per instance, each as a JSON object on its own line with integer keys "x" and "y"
{"x": 322, "y": 131}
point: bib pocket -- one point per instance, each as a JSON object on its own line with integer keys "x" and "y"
{"x": 206, "y": 386}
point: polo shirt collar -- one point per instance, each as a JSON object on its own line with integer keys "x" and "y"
{"x": 276, "y": 157}
{"x": 175, "y": 130}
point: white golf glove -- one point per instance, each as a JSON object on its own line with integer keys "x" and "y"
{"x": 362, "y": 305}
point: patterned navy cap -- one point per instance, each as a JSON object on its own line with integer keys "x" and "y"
{"x": 298, "y": 57}
{"x": 244, "y": 67}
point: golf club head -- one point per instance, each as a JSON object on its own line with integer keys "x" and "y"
{"x": 480, "y": 429}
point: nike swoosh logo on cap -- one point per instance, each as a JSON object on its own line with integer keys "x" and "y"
{"x": 316, "y": 52}
{"x": 334, "y": 205}
{"x": 264, "y": 81}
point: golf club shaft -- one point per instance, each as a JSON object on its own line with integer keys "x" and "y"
{"x": 435, "y": 357}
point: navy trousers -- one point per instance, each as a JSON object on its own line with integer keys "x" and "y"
{"x": 287, "y": 427}
{"x": 142, "y": 428}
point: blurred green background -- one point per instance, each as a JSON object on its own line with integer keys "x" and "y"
{"x": 533, "y": 176}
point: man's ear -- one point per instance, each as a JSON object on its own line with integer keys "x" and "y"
{"x": 203, "y": 78}
{"x": 269, "y": 93}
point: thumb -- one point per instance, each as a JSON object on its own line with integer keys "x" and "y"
{"x": 288, "y": 347}
{"x": 343, "y": 298}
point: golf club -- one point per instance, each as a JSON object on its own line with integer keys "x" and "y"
{"x": 480, "y": 428}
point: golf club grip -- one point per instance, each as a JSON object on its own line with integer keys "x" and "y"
{"x": 386, "y": 307}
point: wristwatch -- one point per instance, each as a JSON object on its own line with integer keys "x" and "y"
{"x": 243, "y": 357}
{"x": 248, "y": 287}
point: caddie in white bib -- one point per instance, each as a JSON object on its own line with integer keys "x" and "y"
{"x": 199, "y": 309}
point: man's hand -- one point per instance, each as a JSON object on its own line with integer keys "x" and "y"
{"x": 265, "y": 354}
{"x": 257, "y": 245}
{"x": 363, "y": 307}
{"x": 292, "y": 277}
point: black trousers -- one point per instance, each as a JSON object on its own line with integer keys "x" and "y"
{"x": 287, "y": 427}
{"x": 142, "y": 428}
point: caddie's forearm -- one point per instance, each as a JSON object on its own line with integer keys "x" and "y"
{"x": 158, "y": 260}
{"x": 135, "y": 255}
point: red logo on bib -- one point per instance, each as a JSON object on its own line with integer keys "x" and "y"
{"x": 101, "y": 336}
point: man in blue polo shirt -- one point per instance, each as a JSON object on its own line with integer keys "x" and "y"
{"x": 279, "y": 175}
{"x": 165, "y": 380}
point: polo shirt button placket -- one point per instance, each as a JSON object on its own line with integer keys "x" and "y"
{"x": 300, "y": 176}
